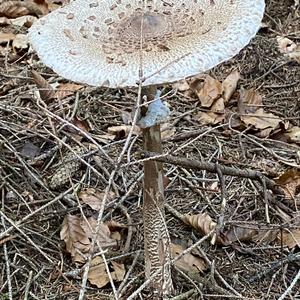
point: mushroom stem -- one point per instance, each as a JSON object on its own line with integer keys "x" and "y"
{"x": 156, "y": 237}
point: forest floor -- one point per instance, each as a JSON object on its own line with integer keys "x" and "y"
{"x": 59, "y": 147}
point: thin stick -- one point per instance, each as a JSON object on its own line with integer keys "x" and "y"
{"x": 213, "y": 168}
{"x": 289, "y": 289}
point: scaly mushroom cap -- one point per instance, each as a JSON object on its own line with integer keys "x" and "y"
{"x": 100, "y": 42}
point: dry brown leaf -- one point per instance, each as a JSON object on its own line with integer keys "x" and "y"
{"x": 201, "y": 222}
{"x": 13, "y": 9}
{"x": 93, "y": 197}
{"x": 67, "y": 89}
{"x": 215, "y": 116}
{"x": 104, "y": 234}
{"x": 119, "y": 271}
{"x": 254, "y": 115}
{"x": 81, "y": 124}
{"x": 290, "y": 182}
{"x": 74, "y": 237}
{"x": 211, "y": 91}
{"x": 46, "y": 91}
{"x": 77, "y": 234}
{"x": 122, "y": 131}
{"x": 249, "y": 102}
{"x": 290, "y": 238}
{"x": 188, "y": 263}
{"x": 18, "y": 8}
{"x": 239, "y": 233}
{"x": 261, "y": 120}
{"x": 229, "y": 85}
{"x": 98, "y": 275}
{"x": 6, "y": 37}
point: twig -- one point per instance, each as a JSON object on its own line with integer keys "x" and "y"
{"x": 289, "y": 289}
{"x": 7, "y": 262}
{"x": 211, "y": 167}
{"x": 121, "y": 288}
{"x": 186, "y": 295}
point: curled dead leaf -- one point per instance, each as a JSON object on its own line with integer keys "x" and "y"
{"x": 252, "y": 114}
{"x": 209, "y": 92}
{"x": 77, "y": 234}
{"x": 229, "y": 85}
{"x": 188, "y": 263}
{"x": 201, "y": 222}
{"x": 286, "y": 45}
{"x": 215, "y": 116}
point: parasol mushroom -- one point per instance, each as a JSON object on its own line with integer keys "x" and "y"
{"x": 104, "y": 43}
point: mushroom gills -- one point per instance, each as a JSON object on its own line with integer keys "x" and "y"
{"x": 157, "y": 113}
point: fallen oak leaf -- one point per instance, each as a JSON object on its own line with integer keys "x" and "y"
{"x": 77, "y": 233}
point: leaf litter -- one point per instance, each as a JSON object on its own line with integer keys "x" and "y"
{"x": 252, "y": 88}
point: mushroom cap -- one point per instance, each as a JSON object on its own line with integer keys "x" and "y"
{"x": 105, "y": 42}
